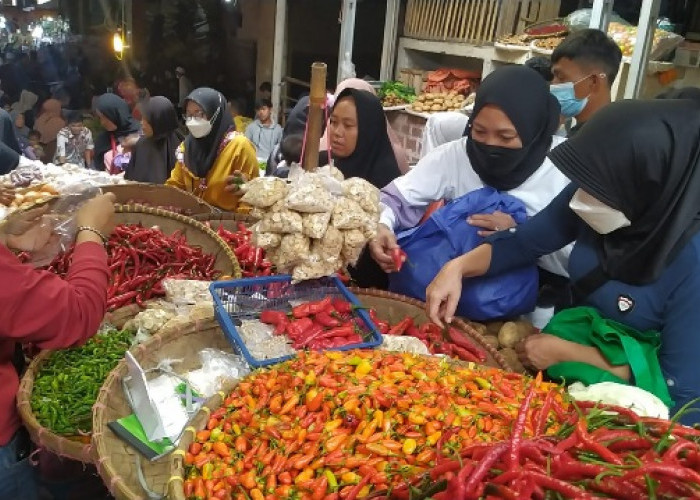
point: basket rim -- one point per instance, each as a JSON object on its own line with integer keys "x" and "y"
{"x": 183, "y": 219}
{"x": 102, "y": 460}
{"x": 224, "y": 216}
{"x": 164, "y": 187}
{"x": 461, "y": 323}
{"x": 65, "y": 447}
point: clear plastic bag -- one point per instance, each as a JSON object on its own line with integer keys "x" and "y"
{"x": 218, "y": 367}
{"x": 315, "y": 225}
{"x": 664, "y": 42}
{"x": 264, "y": 192}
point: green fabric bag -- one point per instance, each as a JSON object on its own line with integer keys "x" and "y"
{"x": 619, "y": 344}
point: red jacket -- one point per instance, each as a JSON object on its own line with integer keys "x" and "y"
{"x": 41, "y": 308}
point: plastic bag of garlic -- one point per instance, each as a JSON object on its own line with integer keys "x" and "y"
{"x": 325, "y": 202}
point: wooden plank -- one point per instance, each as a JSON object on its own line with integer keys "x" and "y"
{"x": 464, "y": 7}
{"x": 430, "y": 19}
{"x": 448, "y": 20}
{"x": 491, "y": 33}
{"x": 480, "y": 21}
{"x": 408, "y": 17}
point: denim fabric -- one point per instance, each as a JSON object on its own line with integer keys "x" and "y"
{"x": 17, "y": 479}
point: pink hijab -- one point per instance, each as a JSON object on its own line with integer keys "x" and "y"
{"x": 359, "y": 84}
{"x": 49, "y": 122}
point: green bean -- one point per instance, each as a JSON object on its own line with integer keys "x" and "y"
{"x": 68, "y": 382}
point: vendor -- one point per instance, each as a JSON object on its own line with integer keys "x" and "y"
{"x": 584, "y": 67}
{"x": 634, "y": 213}
{"x": 213, "y": 151}
{"x": 509, "y": 136}
{"x": 153, "y": 156}
{"x": 361, "y": 147}
{"x": 10, "y": 151}
{"x": 121, "y": 132}
{"x": 50, "y": 312}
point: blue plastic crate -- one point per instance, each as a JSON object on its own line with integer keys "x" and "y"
{"x": 245, "y": 299}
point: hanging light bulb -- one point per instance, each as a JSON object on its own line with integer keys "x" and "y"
{"x": 118, "y": 43}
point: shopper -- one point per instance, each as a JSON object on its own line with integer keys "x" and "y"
{"x": 49, "y": 312}
{"x": 681, "y": 93}
{"x": 184, "y": 86}
{"x": 264, "y": 133}
{"x": 213, "y": 152}
{"x": 49, "y": 122}
{"x": 10, "y": 149}
{"x": 21, "y": 128}
{"x": 633, "y": 211}
{"x": 121, "y": 133}
{"x": 25, "y": 105}
{"x": 399, "y": 151}
{"x": 361, "y": 148}
{"x": 153, "y": 156}
{"x": 442, "y": 128}
{"x": 584, "y": 66}
{"x": 74, "y": 142}
{"x": 265, "y": 90}
{"x": 509, "y": 136}
{"x": 239, "y": 120}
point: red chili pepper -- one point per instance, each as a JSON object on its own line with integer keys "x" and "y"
{"x": 664, "y": 469}
{"x": 491, "y": 457}
{"x": 458, "y": 338}
{"x": 326, "y": 320}
{"x": 320, "y": 305}
{"x": 342, "y": 306}
{"x": 463, "y": 354}
{"x": 557, "y": 485}
{"x": 544, "y": 414}
{"x": 302, "y": 310}
{"x": 297, "y": 328}
{"x": 400, "y": 327}
{"x": 399, "y": 257}
{"x": 513, "y": 458}
{"x": 270, "y": 317}
{"x": 358, "y": 487}
{"x": 597, "y": 448}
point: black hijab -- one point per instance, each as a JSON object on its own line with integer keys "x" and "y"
{"x": 682, "y": 93}
{"x": 373, "y": 158}
{"x": 642, "y": 158}
{"x": 200, "y": 154}
{"x": 9, "y": 146}
{"x": 116, "y": 110}
{"x": 154, "y": 157}
{"x": 523, "y": 95}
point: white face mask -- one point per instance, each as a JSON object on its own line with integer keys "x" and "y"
{"x": 602, "y": 218}
{"x": 198, "y": 127}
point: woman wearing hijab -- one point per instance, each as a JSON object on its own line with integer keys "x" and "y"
{"x": 359, "y": 84}
{"x": 692, "y": 93}
{"x": 9, "y": 147}
{"x": 213, "y": 151}
{"x": 50, "y": 121}
{"x": 361, "y": 148}
{"x": 153, "y": 157}
{"x": 509, "y": 135}
{"x": 634, "y": 213}
{"x": 121, "y": 133}
{"x": 442, "y": 128}
{"x": 25, "y": 105}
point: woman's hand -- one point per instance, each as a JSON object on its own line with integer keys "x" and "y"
{"x": 98, "y": 213}
{"x": 7, "y": 195}
{"x": 381, "y": 247}
{"x": 444, "y": 292}
{"x": 497, "y": 221}
{"x": 25, "y": 230}
{"x": 235, "y": 181}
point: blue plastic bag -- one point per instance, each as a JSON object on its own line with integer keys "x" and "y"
{"x": 446, "y": 235}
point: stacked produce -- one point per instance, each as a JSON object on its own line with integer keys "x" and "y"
{"x": 599, "y": 452}
{"x": 396, "y": 94}
{"x": 140, "y": 258}
{"x": 67, "y": 384}
{"x": 447, "y": 80}
{"x": 441, "y": 101}
{"x": 322, "y": 324}
{"x": 316, "y": 225}
{"x": 664, "y": 42}
{"x": 251, "y": 258}
{"x": 349, "y": 424}
{"x": 505, "y": 336}
{"x": 548, "y": 44}
{"x": 449, "y": 341}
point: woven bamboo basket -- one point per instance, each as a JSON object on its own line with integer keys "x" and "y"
{"x": 115, "y": 460}
{"x": 78, "y": 448}
{"x": 228, "y": 219}
{"x": 197, "y": 234}
{"x": 156, "y": 195}
{"x": 394, "y": 307}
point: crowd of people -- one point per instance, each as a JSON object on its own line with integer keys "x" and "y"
{"x": 609, "y": 190}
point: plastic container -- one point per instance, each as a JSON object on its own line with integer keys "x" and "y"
{"x": 245, "y": 299}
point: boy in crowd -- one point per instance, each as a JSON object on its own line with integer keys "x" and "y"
{"x": 264, "y": 133}
{"x": 584, "y": 67}
{"x": 241, "y": 121}
{"x": 74, "y": 142}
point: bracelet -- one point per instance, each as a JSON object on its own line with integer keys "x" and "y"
{"x": 104, "y": 239}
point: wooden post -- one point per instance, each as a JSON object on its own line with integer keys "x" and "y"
{"x": 391, "y": 30}
{"x": 278, "y": 59}
{"x": 317, "y": 99}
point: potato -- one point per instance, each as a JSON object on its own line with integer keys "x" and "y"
{"x": 436, "y": 107}
{"x": 509, "y": 335}
{"x": 494, "y": 327}
{"x": 512, "y": 359}
{"x": 491, "y": 340}
{"x": 480, "y": 327}
{"x": 526, "y": 328}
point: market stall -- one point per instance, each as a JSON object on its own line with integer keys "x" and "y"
{"x": 289, "y": 384}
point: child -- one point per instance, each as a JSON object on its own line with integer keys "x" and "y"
{"x": 74, "y": 142}
{"x": 34, "y": 151}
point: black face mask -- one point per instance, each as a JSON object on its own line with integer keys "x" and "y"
{"x": 497, "y": 166}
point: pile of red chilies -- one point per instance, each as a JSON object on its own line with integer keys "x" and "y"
{"x": 140, "y": 258}
{"x": 449, "y": 341}
{"x": 602, "y": 451}
{"x": 251, "y": 258}
{"x": 323, "y": 324}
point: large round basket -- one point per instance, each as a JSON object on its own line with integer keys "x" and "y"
{"x": 115, "y": 460}
{"x": 79, "y": 449}
{"x": 196, "y": 233}
{"x": 156, "y": 195}
{"x": 229, "y": 220}
{"x": 394, "y": 307}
